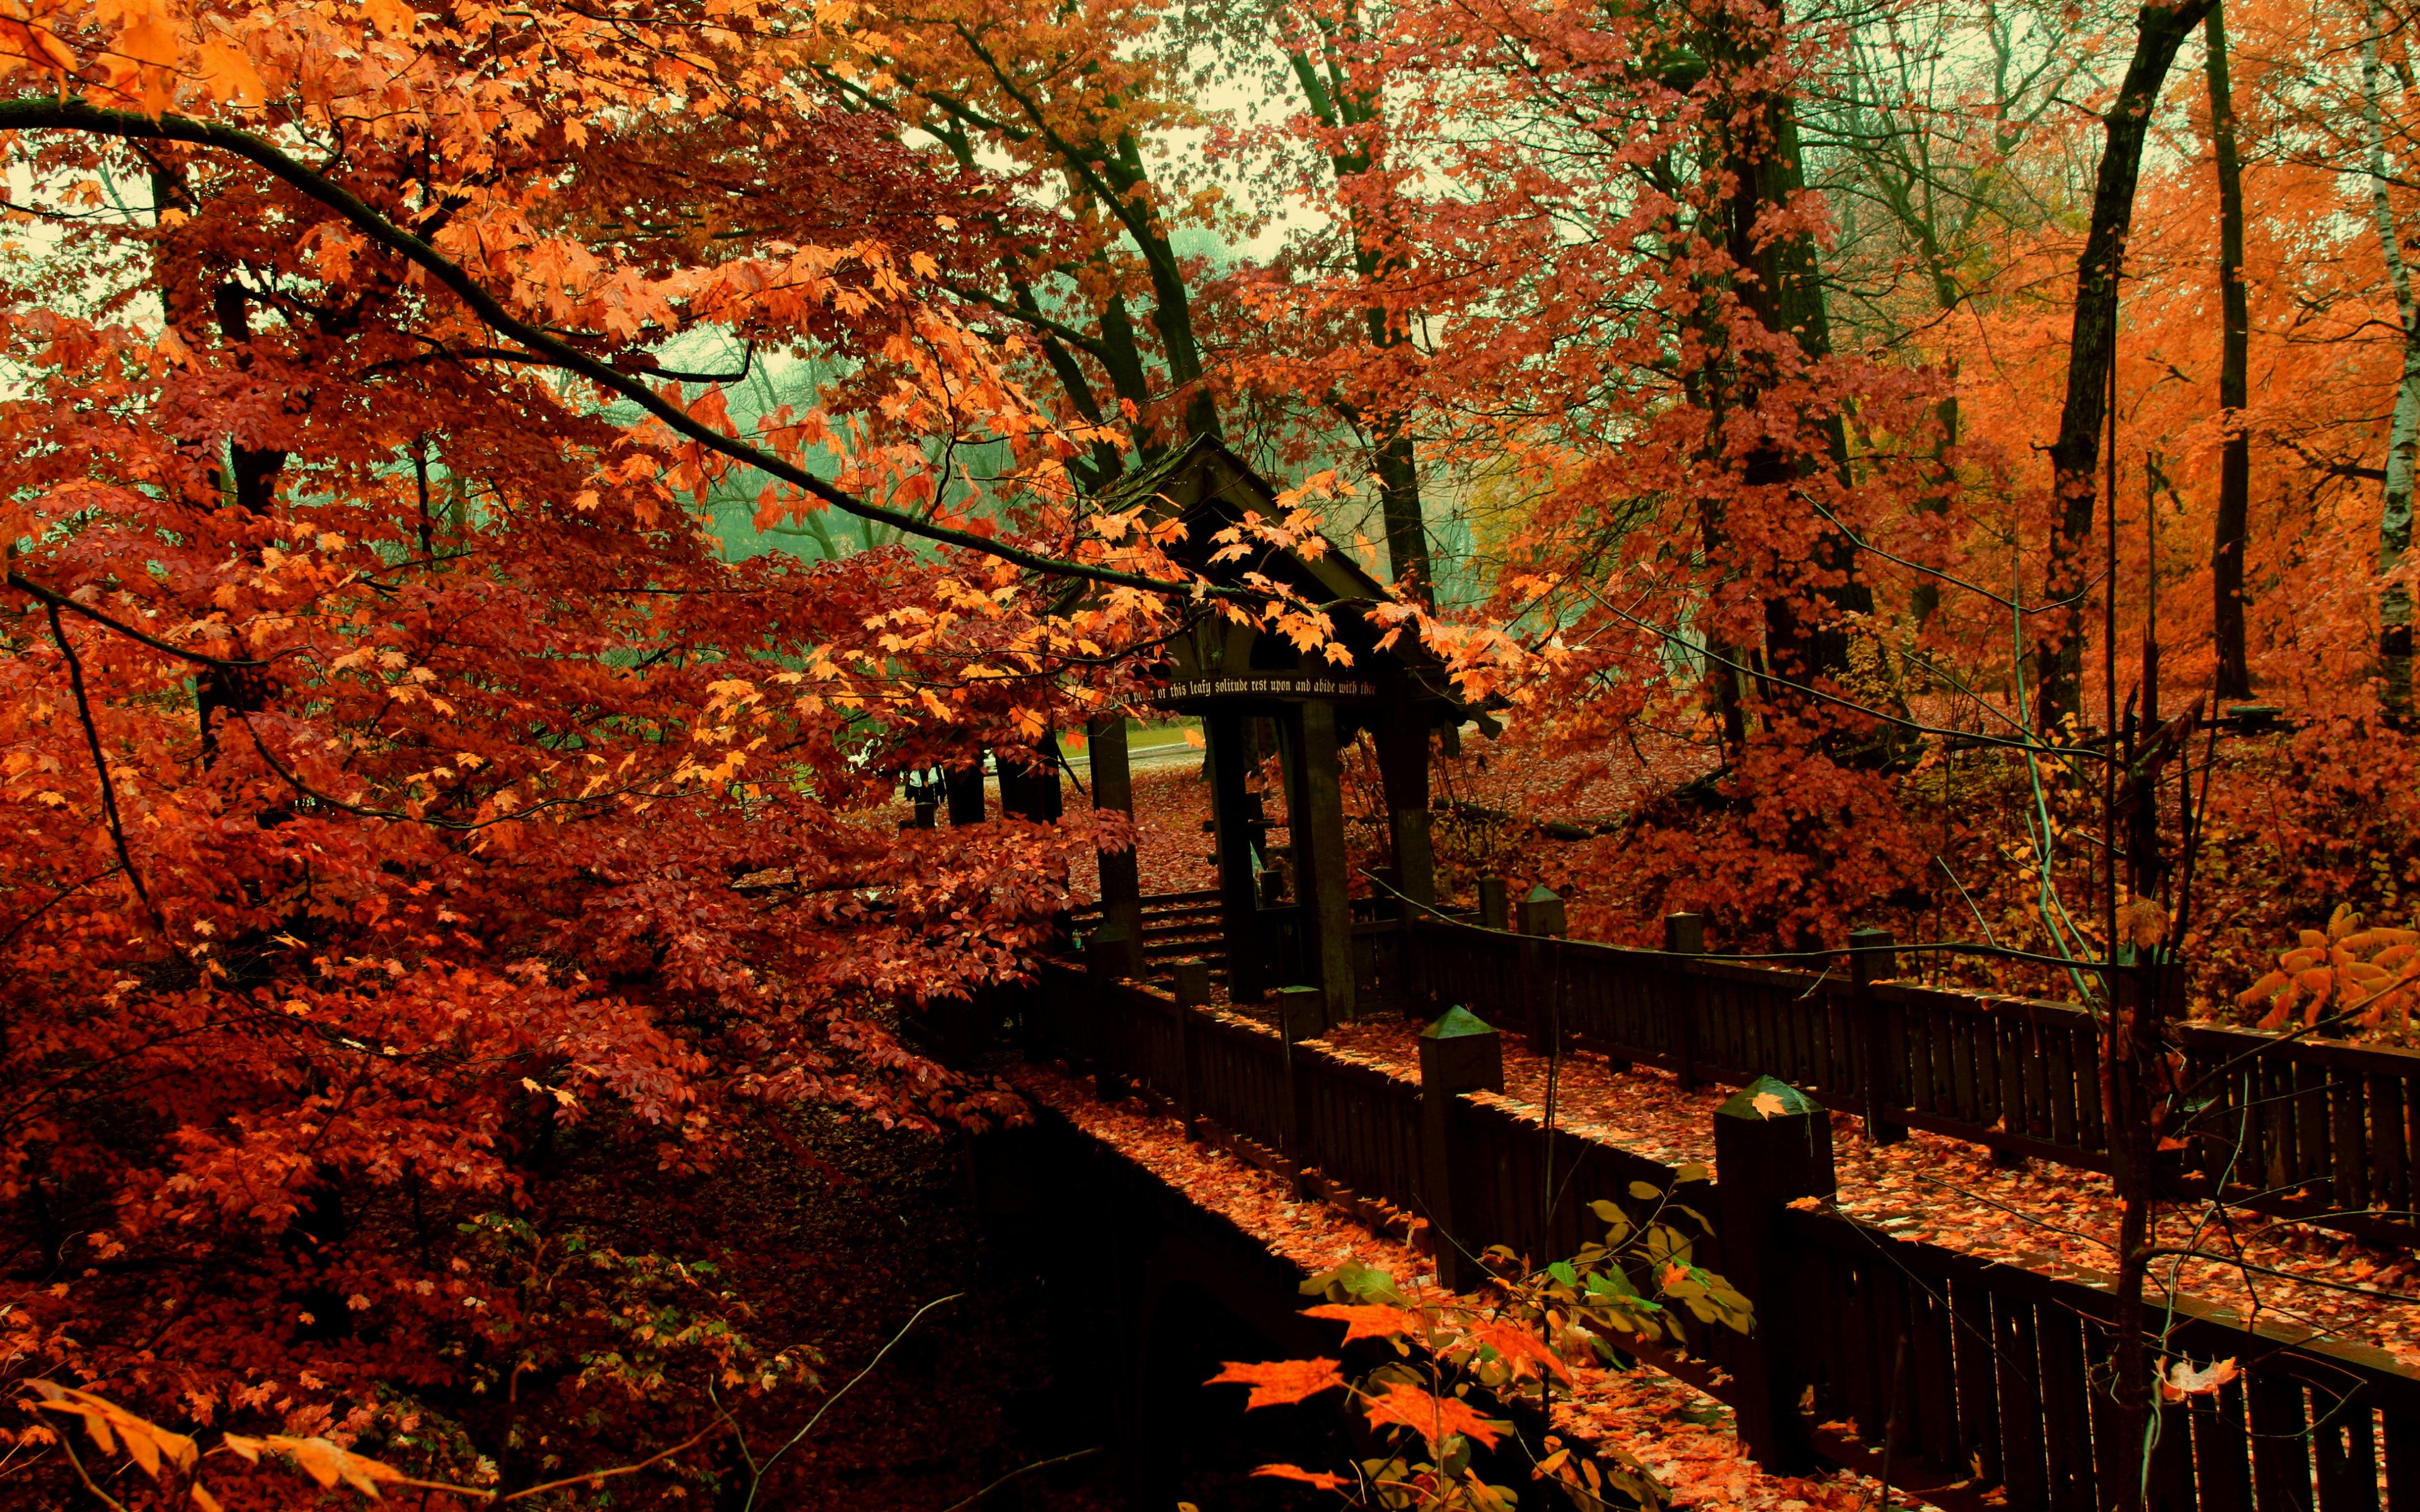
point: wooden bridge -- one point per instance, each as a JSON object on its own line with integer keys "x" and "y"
{"x": 1981, "y": 1384}
{"x": 1975, "y": 1378}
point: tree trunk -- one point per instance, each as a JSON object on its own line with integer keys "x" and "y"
{"x": 1339, "y": 105}
{"x": 1926, "y": 600}
{"x": 224, "y": 692}
{"x": 2235, "y": 461}
{"x": 2092, "y": 345}
{"x": 1780, "y": 285}
{"x": 2403, "y": 431}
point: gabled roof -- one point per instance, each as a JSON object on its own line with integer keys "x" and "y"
{"x": 1206, "y": 487}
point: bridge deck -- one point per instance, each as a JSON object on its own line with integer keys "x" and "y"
{"x": 1683, "y": 1434}
{"x": 1997, "y": 1344}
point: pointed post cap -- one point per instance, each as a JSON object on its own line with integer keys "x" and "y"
{"x": 1456, "y": 1023}
{"x": 1758, "y": 1100}
{"x": 1542, "y": 911}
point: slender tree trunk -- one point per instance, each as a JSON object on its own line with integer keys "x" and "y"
{"x": 2403, "y": 431}
{"x": 1399, "y": 507}
{"x": 221, "y": 693}
{"x": 2235, "y": 462}
{"x": 1782, "y": 286}
{"x": 1926, "y": 600}
{"x": 1339, "y": 105}
{"x": 2092, "y": 345}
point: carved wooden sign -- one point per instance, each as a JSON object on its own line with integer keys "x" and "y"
{"x": 1265, "y": 685}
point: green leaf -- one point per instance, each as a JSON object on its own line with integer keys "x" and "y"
{"x": 1606, "y": 1211}
{"x": 1692, "y": 1171}
{"x": 1645, "y": 1193}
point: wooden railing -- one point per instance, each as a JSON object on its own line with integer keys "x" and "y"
{"x": 1973, "y": 1383}
{"x": 2305, "y": 1128}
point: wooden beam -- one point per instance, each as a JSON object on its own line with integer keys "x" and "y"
{"x": 1230, "y": 766}
{"x": 1120, "y": 879}
{"x": 1316, "y": 808}
{"x": 1402, "y": 737}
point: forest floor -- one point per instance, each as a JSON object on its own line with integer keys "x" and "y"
{"x": 843, "y": 1230}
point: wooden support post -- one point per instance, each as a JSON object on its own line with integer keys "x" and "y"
{"x": 1121, "y": 880}
{"x": 1402, "y": 737}
{"x": 965, "y": 787}
{"x": 1232, "y": 814}
{"x": 1870, "y": 961}
{"x": 1192, "y": 992}
{"x": 1492, "y": 912}
{"x": 1541, "y": 997}
{"x": 1684, "y": 934}
{"x": 1320, "y": 875}
{"x": 1458, "y": 1054}
{"x": 1302, "y": 1014}
{"x": 1766, "y": 1158}
{"x": 1105, "y": 958}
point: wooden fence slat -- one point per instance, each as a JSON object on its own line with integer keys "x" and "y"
{"x": 2345, "y": 1436}
{"x": 2067, "y": 1423}
{"x": 2170, "y": 1483}
{"x": 2281, "y": 1446}
{"x": 1979, "y": 1406}
{"x": 2349, "y": 1174}
{"x": 2315, "y": 1160}
{"x": 2023, "y": 1444}
{"x": 2388, "y": 1187}
{"x": 2402, "y": 1436}
{"x": 1933, "y": 1377}
{"x": 2222, "y": 1452}
{"x": 2058, "y": 1057}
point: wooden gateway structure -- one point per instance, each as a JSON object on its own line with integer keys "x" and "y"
{"x": 1284, "y": 908}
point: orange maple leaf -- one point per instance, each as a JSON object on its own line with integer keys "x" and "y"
{"x": 1434, "y": 1419}
{"x": 1277, "y": 1381}
{"x": 1523, "y": 1350}
{"x": 1324, "y": 1480}
{"x": 1367, "y": 1322}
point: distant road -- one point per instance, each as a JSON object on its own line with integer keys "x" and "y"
{"x": 1144, "y": 756}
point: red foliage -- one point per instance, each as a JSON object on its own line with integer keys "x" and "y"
{"x": 399, "y": 791}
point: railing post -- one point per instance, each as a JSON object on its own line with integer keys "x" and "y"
{"x": 1773, "y": 1144}
{"x": 1458, "y": 1054}
{"x": 1542, "y": 918}
{"x": 1684, "y": 934}
{"x": 1542, "y": 912}
{"x": 1870, "y": 961}
{"x": 1492, "y": 912}
{"x": 1192, "y": 992}
{"x": 1104, "y": 957}
{"x": 1302, "y": 1014}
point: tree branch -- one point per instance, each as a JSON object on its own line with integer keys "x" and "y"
{"x": 76, "y": 116}
{"x": 55, "y": 601}
{"x": 101, "y": 764}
